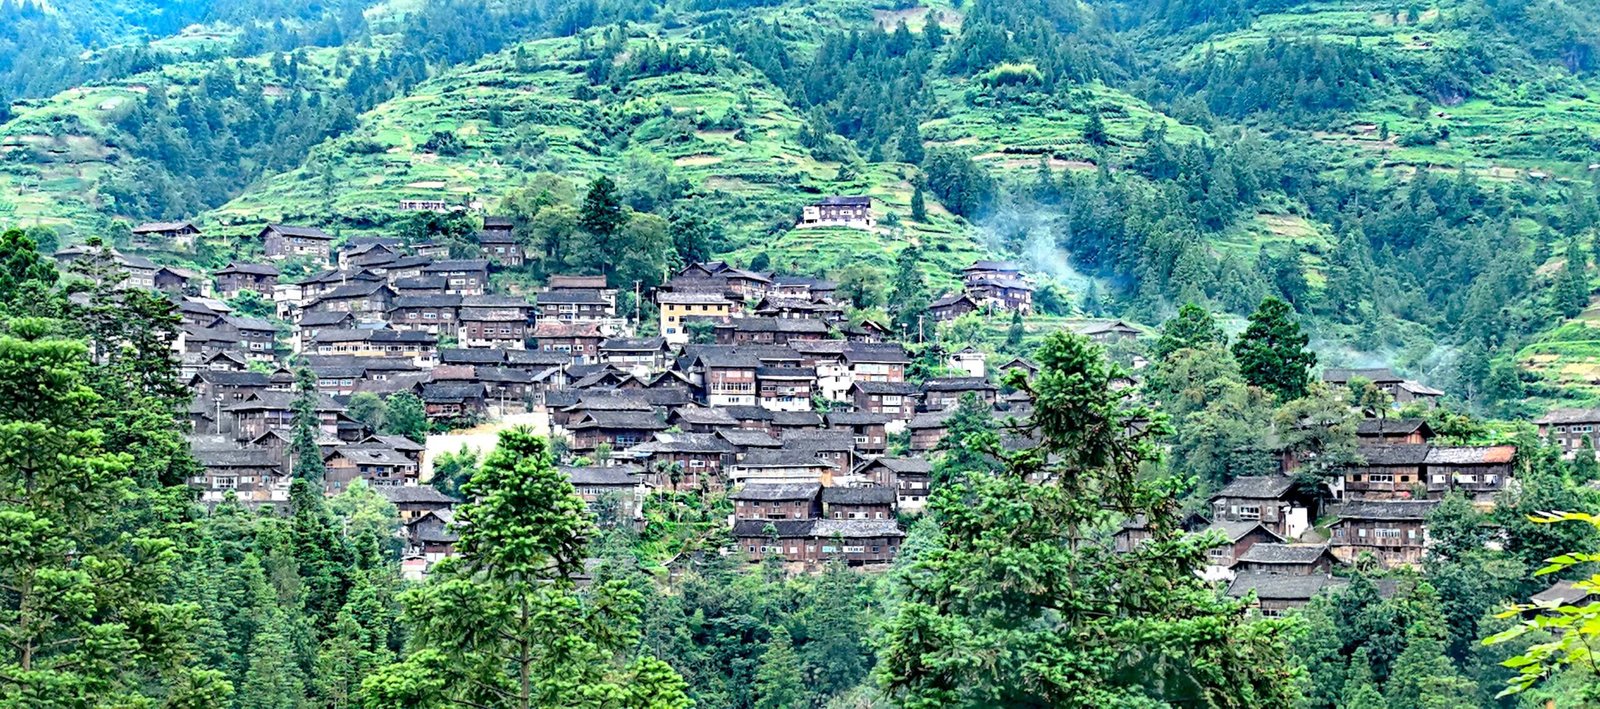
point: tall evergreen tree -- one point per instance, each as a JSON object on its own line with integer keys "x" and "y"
{"x": 503, "y": 625}
{"x": 1272, "y": 351}
{"x": 1083, "y": 625}
{"x": 1192, "y": 328}
{"x": 778, "y": 683}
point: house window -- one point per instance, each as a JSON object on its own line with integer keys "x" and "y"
{"x": 1248, "y": 511}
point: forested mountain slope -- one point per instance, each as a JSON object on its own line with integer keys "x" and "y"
{"x": 1412, "y": 177}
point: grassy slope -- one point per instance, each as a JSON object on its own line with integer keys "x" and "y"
{"x": 1531, "y": 128}
{"x": 54, "y": 151}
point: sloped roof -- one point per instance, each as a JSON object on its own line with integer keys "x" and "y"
{"x": 957, "y": 384}
{"x": 786, "y": 528}
{"x": 1414, "y": 510}
{"x": 1376, "y": 375}
{"x": 594, "y": 475}
{"x": 1264, "y": 487}
{"x": 873, "y": 495}
{"x": 776, "y": 491}
{"x": 856, "y": 528}
{"x": 1405, "y": 454}
{"x": 304, "y": 232}
{"x": 1390, "y": 427}
{"x": 1234, "y": 531}
{"x": 1281, "y": 587}
{"x": 1562, "y": 417}
{"x": 901, "y": 388}
{"x": 1292, "y": 554}
{"x": 1471, "y": 455}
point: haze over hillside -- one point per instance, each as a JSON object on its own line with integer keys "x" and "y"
{"x": 1315, "y": 118}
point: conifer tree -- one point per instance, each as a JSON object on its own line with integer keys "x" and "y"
{"x": 919, "y": 205}
{"x": 1192, "y": 328}
{"x": 1272, "y": 351}
{"x": 503, "y": 625}
{"x": 1016, "y": 566}
{"x": 1360, "y": 690}
{"x": 777, "y": 680}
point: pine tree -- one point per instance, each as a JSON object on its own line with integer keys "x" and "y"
{"x": 908, "y": 295}
{"x": 320, "y": 551}
{"x": 1014, "y": 333}
{"x": 80, "y": 562}
{"x": 273, "y": 679}
{"x": 1094, "y": 132}
{"x": 835, "y": 655}
{"x": 1192, "y": 328}
{"x": 1423, "y": 676}
{"x": 919, "y": 206}
{"x": 777, "y": 681}
{"x": 1011, "y": 555}
{"x": 1360, "y": 690}
{"x": 503, "y": 625}
{"x": 308, "y": 463}
{"x": 1272, "y": 351}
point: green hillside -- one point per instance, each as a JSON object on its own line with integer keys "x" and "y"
{"x": 1156, "y": 152}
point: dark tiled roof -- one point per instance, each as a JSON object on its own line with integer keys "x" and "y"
{"x": 1377, "y": 375}
{"x": 471, "y": 356}
{"x": 786, "y": 528}
{"x": 452, "y": 392}
{"x": 1386, "y": 509}
{"x": 858, "y": 496}
{"x": 900, "y": 388}
{"x": 1389, "y": 427}
{"x": 591, "y": 475}
{"x": 576, "y": 297}
{"x": 911, "y": 466}
{"x": 414, "y": 494}
{"x": 890, "y": 353}
{"x": 252, "y": 269}
{"x": 304, "y": 232}
{"x": 1268, "y": 553}
{"x": 856, "y": 528}
{"x": 1281, "y": 587}
{"x": 776, "y": 491}
{"x": 1265, "y": 487}
{"x": 957, "y": 384}
{"x": 856, "y": 418}
{"x": 782, "y": 458}
{"x": 1562, "y": 417}
{"x": 1411, "y": 454}
{"x": 641, "y": 420}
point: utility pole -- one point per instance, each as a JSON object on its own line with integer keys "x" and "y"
{"x": 636, "y": 306}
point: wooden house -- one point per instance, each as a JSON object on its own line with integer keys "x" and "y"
{"x": 1277, "y": 594}
{"x": 1393, "y": 432}
{"x": 898, "y": 400}
{"x": 462, "y": 276}
{"x": 1393, "y": 531}
{"x": 1270, "y": 500}
{"x": 169, "y": 235}
{"x": 1237, "y": 538}
{"x": 950, "y": 306}
{"x": 859, "y": 502}
{"x": 415, "y": 501}
{"x": 846, "y": 211}
{"x": 1292, "y": 559}
{"x": 1571, "y": 428}
{"x": 775, "y": 501}
{"x": 281, "y": 241}
{"x": 909, "y": 477}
